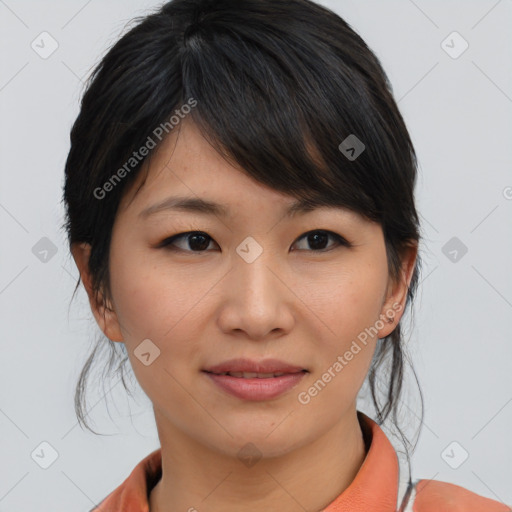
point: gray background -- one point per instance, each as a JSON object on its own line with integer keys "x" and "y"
{"x": 458, "y": 111}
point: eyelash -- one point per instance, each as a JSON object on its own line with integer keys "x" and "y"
{"x": 167, "y": 242}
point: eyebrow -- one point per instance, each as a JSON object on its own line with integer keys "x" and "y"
{"x": 206, "y": 207}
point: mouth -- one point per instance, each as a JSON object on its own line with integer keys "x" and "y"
{"x": 255, "y": 380}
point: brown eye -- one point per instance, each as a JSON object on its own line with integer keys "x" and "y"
{"x": 194, "y": 241}
{"x": 318, "y": 240}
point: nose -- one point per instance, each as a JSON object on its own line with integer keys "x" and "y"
{"x": 258, "y": 303}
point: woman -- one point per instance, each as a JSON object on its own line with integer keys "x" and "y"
{"x": 265, "y": 130}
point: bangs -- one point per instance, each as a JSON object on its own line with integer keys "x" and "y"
{"x": 264, "y": 108}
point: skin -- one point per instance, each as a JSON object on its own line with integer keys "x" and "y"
{"x": 295, "y": 302}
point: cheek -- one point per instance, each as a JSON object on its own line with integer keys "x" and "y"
{"x": 348, "y": 304}
{"x": 154, "y": 306}
{"x": 346, "y": 301}
{"x": 141, "y": 296}
{"x": 163, "y": 309}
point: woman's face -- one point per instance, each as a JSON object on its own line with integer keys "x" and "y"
{"x": 254, "y": 285}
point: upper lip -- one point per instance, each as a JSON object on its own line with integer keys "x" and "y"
{"x": 247, "y": 365}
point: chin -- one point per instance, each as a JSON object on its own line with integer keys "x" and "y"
{"x": 271, "y": 438}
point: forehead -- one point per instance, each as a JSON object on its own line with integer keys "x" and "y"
{"x": 186, "y": 173}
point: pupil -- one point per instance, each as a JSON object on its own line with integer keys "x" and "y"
{"x": 316, "y": 237}
{"x": 195, "y": 246}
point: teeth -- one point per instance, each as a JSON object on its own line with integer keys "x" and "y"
{"x": 253, "y": 375}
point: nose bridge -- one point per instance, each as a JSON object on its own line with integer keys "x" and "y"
{"x": 253, "y": 269}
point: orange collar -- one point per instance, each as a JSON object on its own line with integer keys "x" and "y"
{"x": 375, "y": 486}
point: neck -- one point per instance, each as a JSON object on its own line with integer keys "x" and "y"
{"x": 195, "y": 478}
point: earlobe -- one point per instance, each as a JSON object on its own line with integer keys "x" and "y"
{"x": 104, "y": 314}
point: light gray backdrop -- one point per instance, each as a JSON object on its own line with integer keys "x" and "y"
{"x": 457, "y": 102}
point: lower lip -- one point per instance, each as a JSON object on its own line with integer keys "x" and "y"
{"x": 256, "y": 389}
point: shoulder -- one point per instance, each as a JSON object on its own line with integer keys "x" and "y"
{"x": 435, "y": 496}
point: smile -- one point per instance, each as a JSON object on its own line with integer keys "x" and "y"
{"x": 254, "y": 386}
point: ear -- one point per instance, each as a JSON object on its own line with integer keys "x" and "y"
{"x": 396, "y": 295}
{"x": 103, "y": 313}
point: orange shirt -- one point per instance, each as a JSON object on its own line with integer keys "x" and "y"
{"x": 374, "y": 489}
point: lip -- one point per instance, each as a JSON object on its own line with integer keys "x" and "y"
{"x": 255, "y": 389}
{"x": 248, "y": 365}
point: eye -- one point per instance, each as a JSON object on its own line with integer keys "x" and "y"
{"x": 319, "y": 237}
{"x": 199, "y": 241}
